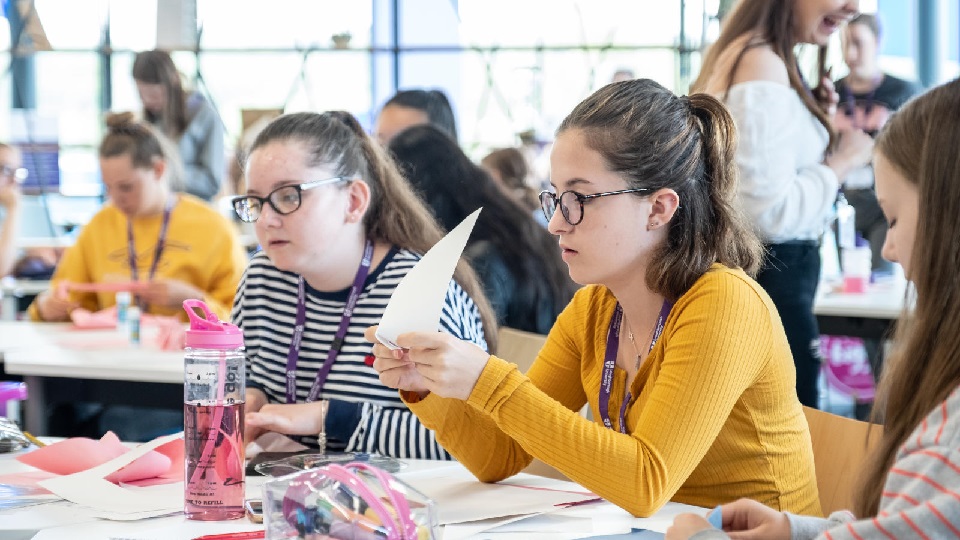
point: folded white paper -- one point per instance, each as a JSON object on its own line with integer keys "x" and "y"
{"x": 88, "y": 488}
{"x": 417, "y": 302}
{"x": 461, "y": 498}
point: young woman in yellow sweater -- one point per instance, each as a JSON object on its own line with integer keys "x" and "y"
{"x": 173, "y": 242}
{"x": 680, "y": 355}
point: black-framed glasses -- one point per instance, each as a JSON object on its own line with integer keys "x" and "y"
{"x": 283, "y": 200}
{"x": 19, "y": 174}
{"x": 571, "y": 203}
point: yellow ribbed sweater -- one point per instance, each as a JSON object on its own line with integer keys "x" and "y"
{"x": 202, "y": 248}
{"x": 715, "y": 417}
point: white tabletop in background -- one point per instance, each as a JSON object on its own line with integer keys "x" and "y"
{"x": 60, "y": 350}
{"x": 880, "y": 301}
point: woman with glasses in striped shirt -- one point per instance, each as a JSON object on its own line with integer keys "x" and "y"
{"x": 339, "y": 229}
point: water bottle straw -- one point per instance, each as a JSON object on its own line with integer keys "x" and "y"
{"x": 211, "y": 443}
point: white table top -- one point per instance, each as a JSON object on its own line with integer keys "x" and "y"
{"x": 60, "y": 519}
{"x": 881, "y": 301}
{"x": 59, "y": 350}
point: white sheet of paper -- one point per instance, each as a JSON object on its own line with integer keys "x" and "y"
{"x": 417, "y": 302}
{"x": 88, "y": 488}
{"x": 461, "y": 497}
{"x": 664, "y": 517}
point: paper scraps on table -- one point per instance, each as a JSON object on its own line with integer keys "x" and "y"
{"x": 91, "y": 488}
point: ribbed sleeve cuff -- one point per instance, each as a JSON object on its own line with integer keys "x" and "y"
{"x": 343, "y": 417}
{"x": 495, "y": 384}
{"x": 803, "y": 527}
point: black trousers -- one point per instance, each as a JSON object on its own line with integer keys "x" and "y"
{"x": 790, "y": 275}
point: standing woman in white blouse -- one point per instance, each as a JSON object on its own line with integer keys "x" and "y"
{"x": 791, "y": 162}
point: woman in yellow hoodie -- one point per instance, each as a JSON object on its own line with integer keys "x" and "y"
{"x": 173, "y": 243}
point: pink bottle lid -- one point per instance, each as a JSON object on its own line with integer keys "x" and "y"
{"x": 210, "y": 332}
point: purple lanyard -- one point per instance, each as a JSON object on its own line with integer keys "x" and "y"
{"x": 158, "y": 251}
{"x": 337, "y": 344}
{"x": 610, "y": 363}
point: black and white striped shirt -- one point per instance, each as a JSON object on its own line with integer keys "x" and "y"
{"x": 364, "y": 415}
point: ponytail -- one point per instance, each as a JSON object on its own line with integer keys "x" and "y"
{"x": 719, "y": 136}
{"x": 656, "y": 140}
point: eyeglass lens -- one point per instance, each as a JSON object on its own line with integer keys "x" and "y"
{"x": 284, "y": 200}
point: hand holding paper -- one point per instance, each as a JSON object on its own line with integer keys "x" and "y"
{"x": 431, "y": 362}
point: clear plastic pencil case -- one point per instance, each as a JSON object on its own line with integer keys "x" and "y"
{"x": 355, "y": 501}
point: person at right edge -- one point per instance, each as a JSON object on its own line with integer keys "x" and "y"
{"x": 868, "y": 97}
{"x": 790, "y": 160}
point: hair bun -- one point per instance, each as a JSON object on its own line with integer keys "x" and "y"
{"x": 121, "y": 121}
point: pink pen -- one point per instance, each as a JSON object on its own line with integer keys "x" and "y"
{"x": 249, "y": 535}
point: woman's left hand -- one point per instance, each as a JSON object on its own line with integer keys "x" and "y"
{"x": 686, "y": 525}
{"x": 288, "y": 419}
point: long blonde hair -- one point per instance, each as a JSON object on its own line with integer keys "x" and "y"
{"x": 921, "y": 142}
{"x": 773, "y": 21}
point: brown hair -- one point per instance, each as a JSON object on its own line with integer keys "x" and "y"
{"x": 127, "y": 137}
{"x": 396, "y": 214}
{"x": 872, "y": 22}
{"x": 513, "y": 170}
{"x": 655, "y": 140}
{"x": 156, "y": 67}
{"x": 921, "y": 142}
{"x": 773, "y": 21}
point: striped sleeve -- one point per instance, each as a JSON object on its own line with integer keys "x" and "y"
{"x": 921, "y": 497}
{"x": 395, "y": 431}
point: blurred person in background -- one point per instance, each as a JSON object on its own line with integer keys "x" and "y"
{"x": 516, "y": 260}
{"x": 187, "y": 118}
{"x": 409, "y": 108}
{"x": 868, "y": 97}
{"x": 791, "y": 161}
{"x": 508, "y": 168}
{"x": 11, "y": 175}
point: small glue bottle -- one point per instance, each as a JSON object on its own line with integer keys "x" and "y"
{"x": 123, "y": 304}
{"x": 133, "y": 324}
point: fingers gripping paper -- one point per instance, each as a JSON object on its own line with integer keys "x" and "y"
{"x": 417, "y": 302}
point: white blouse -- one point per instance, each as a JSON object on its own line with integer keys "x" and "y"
{"x": 784, "y": 188}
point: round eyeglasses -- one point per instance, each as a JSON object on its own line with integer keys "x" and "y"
{"x": 19, "y": 174}
{"x": 571, "y": 203}
{"x": 284, "y": 200}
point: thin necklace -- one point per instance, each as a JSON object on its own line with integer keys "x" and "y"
{"x": 636, "y": 349}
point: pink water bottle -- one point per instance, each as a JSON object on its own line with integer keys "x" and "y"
{"x": 213, "y": 399}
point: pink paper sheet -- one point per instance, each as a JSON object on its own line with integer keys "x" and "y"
{"x": 27, "y": 481}
{"x": 110, "y": 286}
{"x": 84, "y": 319}
{"x": 79, "y": 454}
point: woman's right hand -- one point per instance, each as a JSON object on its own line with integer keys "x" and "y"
{"x": 395, "y": 368}
{"x": 854, "y": 150}
{"x": 54, "y": 307}
{"x": 747, "y": 519}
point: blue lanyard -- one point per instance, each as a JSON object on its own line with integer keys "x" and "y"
{"x": 294, "y": 354}
{"x": 610, "y": 363}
